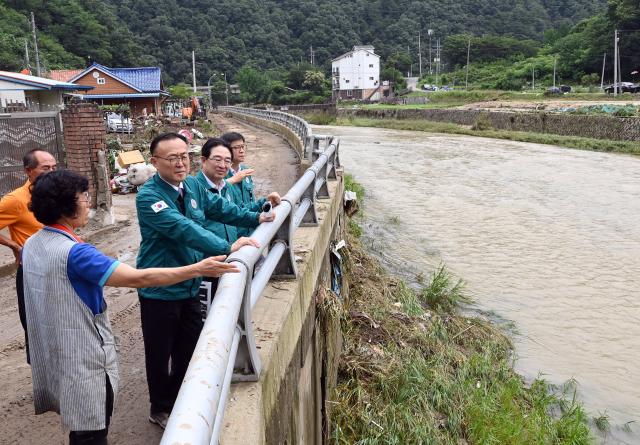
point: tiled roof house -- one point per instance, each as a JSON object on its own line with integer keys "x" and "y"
{"x": 141, "y": 87}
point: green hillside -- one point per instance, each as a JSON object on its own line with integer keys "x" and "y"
{"x": 267, "y": 34}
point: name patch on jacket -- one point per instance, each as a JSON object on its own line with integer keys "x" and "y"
{"x": 160, "y": 205}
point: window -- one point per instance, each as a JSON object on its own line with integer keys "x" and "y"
{"x": 346, "y": 81}
{"x": 370, "y": 78}
{"x": 371, "y": 65}
{"x": 101, "y": 80}
{"x": 349, "y": 93}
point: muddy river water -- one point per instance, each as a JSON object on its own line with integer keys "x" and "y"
{"x": 546, "y": 237}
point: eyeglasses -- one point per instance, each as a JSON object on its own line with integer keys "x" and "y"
{"x": 220, "y": 159}
{"x": 86, "y": 197}
{"x": 173, "y": 160}
{"x": 239, "y": 147}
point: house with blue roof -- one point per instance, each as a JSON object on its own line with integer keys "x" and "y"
{"x": 141, "y": 88}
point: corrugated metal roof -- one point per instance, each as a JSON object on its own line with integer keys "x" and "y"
{"x": 40, "y": 82}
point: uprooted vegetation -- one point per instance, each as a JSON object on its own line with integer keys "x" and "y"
{"x": 415, "y": 371}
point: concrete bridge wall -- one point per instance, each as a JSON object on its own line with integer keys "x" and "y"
{"x": 299, "y": 342}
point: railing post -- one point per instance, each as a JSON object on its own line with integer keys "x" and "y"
{"x": 334, "y": 160}
{"x": 247, "y": 364}
{"x": 286, "y": 267}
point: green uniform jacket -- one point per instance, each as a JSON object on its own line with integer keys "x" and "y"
{"x": 224, "y": 231}
{"x": 243, "y": 196}
{"x": 171, "y": 239}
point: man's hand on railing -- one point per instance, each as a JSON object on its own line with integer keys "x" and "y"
{"x": 215, "y": 266}
{"x": 238, "y": 177}
{"x": 274, "y": 198}
{"x": 266, "y": 217}
{"x": 245, "y": 241}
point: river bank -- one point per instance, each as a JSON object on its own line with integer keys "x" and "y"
{"x": 480, "y": 129}
{"x": 415, "y": 370}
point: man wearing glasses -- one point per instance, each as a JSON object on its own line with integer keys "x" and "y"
{"x": 239, "y": 176}
{"x": 173, "y": 209}
{"x": 216, "y": 161}
{"x": 16, "y": 216}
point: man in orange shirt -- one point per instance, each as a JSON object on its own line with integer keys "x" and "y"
{"x": 15, "y": 214}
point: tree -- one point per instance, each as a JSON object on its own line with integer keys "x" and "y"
{"x": 314, "y": 81}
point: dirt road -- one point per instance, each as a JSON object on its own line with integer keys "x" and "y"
{"x": 277, "y": 170}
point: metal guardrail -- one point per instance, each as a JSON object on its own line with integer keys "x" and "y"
{"x": 226, "y": 350}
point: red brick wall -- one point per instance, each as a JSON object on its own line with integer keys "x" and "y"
{"x": 84, "y": 135}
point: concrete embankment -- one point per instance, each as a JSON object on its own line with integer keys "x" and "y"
{"x": 596, "y": 127}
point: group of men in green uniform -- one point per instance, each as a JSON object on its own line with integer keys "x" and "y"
{"x": 183, "y": 219}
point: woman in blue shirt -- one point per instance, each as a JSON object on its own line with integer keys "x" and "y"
{"x": 73, "y": 351}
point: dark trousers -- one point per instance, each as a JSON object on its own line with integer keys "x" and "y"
{"x": 22, "y": 313}
{"x": 170, "y": 330}
{"x": 98, "y": 437}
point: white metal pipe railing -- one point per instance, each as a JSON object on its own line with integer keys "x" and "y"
{"x": 226, "y": 343}
{"x": 226, "y": 385}
{"x": 261, "y": 278}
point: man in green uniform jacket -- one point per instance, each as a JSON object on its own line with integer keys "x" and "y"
{"x": 172, "y": 211}
{"x": 239, "y": 177}
{"x": 216, "y": 159}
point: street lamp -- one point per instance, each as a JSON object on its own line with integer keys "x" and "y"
{"x": 226, "y": 87}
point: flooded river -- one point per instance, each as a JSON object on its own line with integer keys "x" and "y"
{"x": 546, "y": 237}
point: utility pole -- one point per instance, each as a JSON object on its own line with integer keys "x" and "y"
{"x": 437, "y": 59}
{"x": 226, "y": 88}
{"x": 604, "y": 60}
{"x": 430, "y": 32}
{"x": 26, "y": 55}
{"x": 35, "y": 44}
{"x": 419, "y": 54}
{"x": 533, "y": 79}
{"x": 615, "y": 63}
{"x": 466, "y": 79}
{"x": 193, "y": 69}
{"x": 555, "y": 60}
{"x": 312, "y": 58}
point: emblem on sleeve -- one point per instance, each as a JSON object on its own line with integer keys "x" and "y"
{"x": 160, "y": 205}
{"x": 194, "y": 204}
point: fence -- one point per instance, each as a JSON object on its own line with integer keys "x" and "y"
{"x": 21, "y": 132}
{"x": 226, "y": 349}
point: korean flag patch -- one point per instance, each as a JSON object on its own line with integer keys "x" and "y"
{"x": 160, "y": 205}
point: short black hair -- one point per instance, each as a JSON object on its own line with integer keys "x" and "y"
{"x": 29, "y": 160}
{"x": 214, "y": 142}
{"x": 54, "y": 195}
{"x": 232, "y": 136}
{"x": 165, "y": 137}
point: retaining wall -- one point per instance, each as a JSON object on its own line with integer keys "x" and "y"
{"x": 298, "y": 344}
{"x": 598, "y": 127}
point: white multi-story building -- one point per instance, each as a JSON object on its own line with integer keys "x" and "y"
{"x": 356, "y": 74}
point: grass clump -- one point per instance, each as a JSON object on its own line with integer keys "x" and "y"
{"x": 414, "y": 371}
{"x": 580, "y": 143}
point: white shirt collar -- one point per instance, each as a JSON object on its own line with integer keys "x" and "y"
{"x": 218, "y": 187}
{"x": 177, "y": 188}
